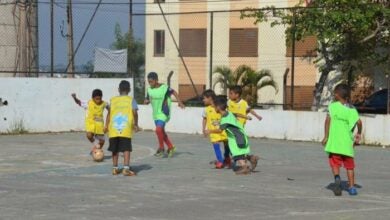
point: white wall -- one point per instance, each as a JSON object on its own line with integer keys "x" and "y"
{"x": 45, "y": 105}
{"x": 289, "y": 125}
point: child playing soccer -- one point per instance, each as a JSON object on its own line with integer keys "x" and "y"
{"x": 94, "y": 123}
{"x": 211, "y": 121}
{"x": 237, "y": 138}
{"x": 339, "y": 142}
{"x": 121, "y": 120}
{"x": 159, "y": 95}
{"x": 240, "y": 107}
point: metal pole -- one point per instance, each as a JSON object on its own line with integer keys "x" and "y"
{"x": 70, "y": 69}
{"x": 130, "y": 38}
{"x": 51, "y": 38}
{"x": 293, "y": 60}
{"x": 211, "y": 49}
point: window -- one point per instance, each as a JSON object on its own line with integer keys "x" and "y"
{"x": 303, "y": 48}
{"x": 243, "y": 42}
{"x": 159, "y": 43}
{"x": 193, "y": 42}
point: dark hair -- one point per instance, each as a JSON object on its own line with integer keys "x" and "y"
{"x": 220, "y": 102}
{"x": 343, "y": 90}
{"x": 209, "y": 93}
{"x": 153, "y": 76}
{"x": 124, "y": 86}
{"x": 97, "y": 92}
{"x": 236, "y": 89}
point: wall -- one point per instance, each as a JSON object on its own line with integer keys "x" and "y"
{"x": 46, "y": 104}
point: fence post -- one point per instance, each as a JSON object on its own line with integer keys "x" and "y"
{"x": 293, "y": 60}
{"x": 51, "y": 38}
{"x": 211, "y": 49}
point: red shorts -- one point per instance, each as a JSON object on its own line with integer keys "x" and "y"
{"x": 337, "y": 160}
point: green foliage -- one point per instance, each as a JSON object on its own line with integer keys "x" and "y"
{"x": 136, "y": 59}
{"x": 351, "y": 34}
{"x": 249, "y": 79}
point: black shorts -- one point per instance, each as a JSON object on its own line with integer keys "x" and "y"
{"x": 120, "y": 144}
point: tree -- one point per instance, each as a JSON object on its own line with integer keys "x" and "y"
{"x": 351, "y": 34}
{"x": 250, "y": 80}
{"x": 136, "y": 58}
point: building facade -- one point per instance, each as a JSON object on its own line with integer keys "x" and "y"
{"x": 221, "y": 38}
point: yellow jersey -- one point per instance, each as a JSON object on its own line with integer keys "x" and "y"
{"x": 241, "y": 107}
{"x": 94, "y": 121}
{"x": 212, "y": 123}
{"x": 121, "y": 117}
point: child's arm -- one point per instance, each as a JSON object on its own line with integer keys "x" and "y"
{"x": 327, "y": 126}
{"x": 135, "y": 116}
{"x": 147, "y": 100}
{"x": 255, "y": 114}
{"x": 106, "y": 125}
{"x": 358, "y": 136}
{"x": 204, "y": 121}
{"x": 238, "y": 115}
{"x": 181, "y": 104}
{"x": 78, "y": 102}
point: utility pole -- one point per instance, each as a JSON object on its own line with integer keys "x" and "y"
{"x": 70, "y": 69}
{"x": 130, "y": 65}
{"x": 51, "y": 38}
{"x": 23, "y": 65}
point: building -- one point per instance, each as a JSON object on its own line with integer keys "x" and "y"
{"x": 222, "y": 38}
{"x": 19, "y": 38}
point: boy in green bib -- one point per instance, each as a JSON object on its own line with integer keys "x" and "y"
{"x": 339, "y": 140}
{"x": 159, "y": 96}
{"x": 237, "y": 138}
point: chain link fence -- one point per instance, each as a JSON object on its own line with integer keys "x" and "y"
{"x": 201, "y": 44}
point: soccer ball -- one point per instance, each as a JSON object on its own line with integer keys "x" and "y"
{"x": 98, "y": 155}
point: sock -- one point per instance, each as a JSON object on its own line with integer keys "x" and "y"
{"x": 126, "y": 167}
{"x": 115, "y": 167}
{"x": 160, "y": 137}
{"x": 336, "y": 177}
{"x": 167, "y": 141}
{"x": 218, "y": 153}
{"x": 227, "y": 151}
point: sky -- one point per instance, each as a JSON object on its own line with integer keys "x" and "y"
{"x": 100, "y": 34}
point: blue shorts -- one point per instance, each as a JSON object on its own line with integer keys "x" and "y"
{"x": 159, "y": 123}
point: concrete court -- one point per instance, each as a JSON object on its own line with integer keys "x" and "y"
{"x": 51, "y": 176}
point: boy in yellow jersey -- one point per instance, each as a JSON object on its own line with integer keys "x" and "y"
{"x": 240, "y": 107}
{"x": 211, "y": 120}
{"x": 121, "y": 121}
{"x": 94, "y": 123}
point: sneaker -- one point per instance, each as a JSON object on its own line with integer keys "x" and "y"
{"x": 116, "y": 171}
{"x": 171, "y": 152}
{"x": 227, "y": 163}
{"x": 253, "y": 160}
{"x": 352, "y": 191}
{"x": 127, "y": 172}
{"x": 337, "y": 187}
{"x": 218, "y": 165}
{"x": 243, "y": 170}
{"x": 159, "y": 153}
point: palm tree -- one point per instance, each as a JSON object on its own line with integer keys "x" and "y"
{"x": 250, "y": 80}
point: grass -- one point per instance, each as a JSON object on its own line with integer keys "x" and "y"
{"x": 17, "y": 127}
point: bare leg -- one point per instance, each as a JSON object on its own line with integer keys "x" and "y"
{"x": 336, "y": 171}
{"x": 101, "y": 143}
{"x": 351, "y": 178}
{"x": 115, "y": 157}
{"x": 90, "y": 137}
{"x": 126, "y": 158}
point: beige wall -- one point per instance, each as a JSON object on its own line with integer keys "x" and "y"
{"x": 271, "y": 47}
